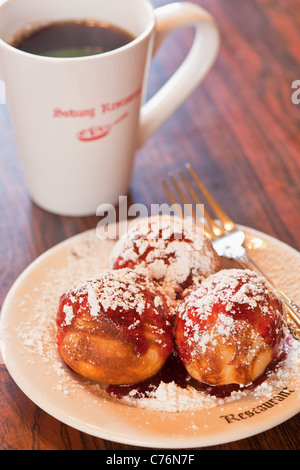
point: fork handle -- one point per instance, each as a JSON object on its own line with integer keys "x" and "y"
{"x": 292, "y": 308}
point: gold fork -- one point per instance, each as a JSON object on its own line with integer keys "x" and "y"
{"x": 228, "y": 239}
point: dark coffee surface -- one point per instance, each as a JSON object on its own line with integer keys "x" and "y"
{"x": 72, "y": 39}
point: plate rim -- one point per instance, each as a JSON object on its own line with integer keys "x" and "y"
{"x": 100, "y": 432}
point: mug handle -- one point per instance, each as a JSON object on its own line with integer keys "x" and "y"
{"x": 193, "y": 69}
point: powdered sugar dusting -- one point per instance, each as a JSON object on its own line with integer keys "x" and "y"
{"x": 110, "y": 290}
{"x": 86, "y": 254}
{"x": 168, "y": 249}
{"x": 229, "y": 288}
{"x": 170, "y": 397}
{"x": 230, "y": 328}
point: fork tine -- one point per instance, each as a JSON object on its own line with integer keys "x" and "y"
{"x": 184, "y": 199}
{"x": 172, "y": 198}
{"x": 213, "y": 227}
{"x": 225, "y": 220}
{"x": 175, "y": 202}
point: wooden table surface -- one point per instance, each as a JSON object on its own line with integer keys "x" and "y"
{"x": 239, "y": 129}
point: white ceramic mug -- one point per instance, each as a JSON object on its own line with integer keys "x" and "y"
{"x": 78, "y": 121}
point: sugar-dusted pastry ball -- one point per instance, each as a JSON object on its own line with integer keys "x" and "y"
{"x": 172, "y": 251}
{"x": 115, "y": 327}
{"x": 230, "y": 328}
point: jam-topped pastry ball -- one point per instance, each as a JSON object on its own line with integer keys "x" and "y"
{"x": 115, "y": 327}
{"x": 171, "y": 250}
{"x": 230, "y": 329}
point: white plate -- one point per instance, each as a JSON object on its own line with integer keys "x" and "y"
{"x": 28, "y": 349}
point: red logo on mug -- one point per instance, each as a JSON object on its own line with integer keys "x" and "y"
{"x": 98, "y": 132}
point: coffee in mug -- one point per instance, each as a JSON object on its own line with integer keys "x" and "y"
{"x": 75, "y": 38}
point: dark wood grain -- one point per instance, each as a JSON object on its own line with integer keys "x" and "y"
{"x": 240, "y": 131}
